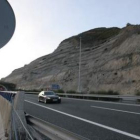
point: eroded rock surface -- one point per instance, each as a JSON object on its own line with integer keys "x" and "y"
{"x": 110, "y": 61}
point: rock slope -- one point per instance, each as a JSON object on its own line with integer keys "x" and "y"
{"x": 110, "y": 61}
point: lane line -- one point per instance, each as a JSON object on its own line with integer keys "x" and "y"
{"x": 91, "y": 122}
{"x": 101, "y": 101}
{"x": 136, "y": 113}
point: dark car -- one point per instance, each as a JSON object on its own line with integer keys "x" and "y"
{"x": 48, "y": 96}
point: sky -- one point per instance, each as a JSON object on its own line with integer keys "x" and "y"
{"x": 42, "y": 24}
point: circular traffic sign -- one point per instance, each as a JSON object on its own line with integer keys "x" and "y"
{"x": 7, "y": 22}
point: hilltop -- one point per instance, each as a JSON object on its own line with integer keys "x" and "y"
{"x": 110, "y": 61}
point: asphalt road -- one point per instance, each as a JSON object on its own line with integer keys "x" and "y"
{"x": 94, "y": 120}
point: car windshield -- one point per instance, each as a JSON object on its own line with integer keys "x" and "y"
{"x": 49, "y": 93}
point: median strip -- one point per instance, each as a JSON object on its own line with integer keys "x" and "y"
{"x": 90, "y": 122}
{"x": 136, "y": 113}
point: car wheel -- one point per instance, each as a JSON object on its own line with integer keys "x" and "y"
{"x": 45, "y": 101}
{"x": 59, "y": 101}
{"x": 38, "y": 100}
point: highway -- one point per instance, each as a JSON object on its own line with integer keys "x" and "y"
{"x": 93, "y": 120}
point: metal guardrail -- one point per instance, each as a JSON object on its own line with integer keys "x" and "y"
{"x": 116, "y": 98}
{"x": 120, "y": 98}
{"x": 8, "y": 95}
{"x": 17, "y": 133}
{"x": 51, "y": 131}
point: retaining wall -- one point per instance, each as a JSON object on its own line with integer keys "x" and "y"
{"x": 11, "y": 109}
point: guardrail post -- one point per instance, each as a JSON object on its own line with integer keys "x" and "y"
{"x": 19, "y": 113}
{"x": 13, "y": 120}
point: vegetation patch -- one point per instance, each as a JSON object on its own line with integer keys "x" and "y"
{"x": 99, "y": 34}
{"x": 60, "y": 91}
{"x": 110, "y": 92}
{"x": 137, "y": 93}
{"x": 71, "y": 91}
{"x": 96, "y": 35}
{"x": 29, "y": 90}
{"x": 115, "y": 73}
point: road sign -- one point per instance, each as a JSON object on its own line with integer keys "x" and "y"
{"x": 7, "y": 22}
{"x": 55, "y": 87}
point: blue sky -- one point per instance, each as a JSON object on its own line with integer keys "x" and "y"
{"x": 42, "y": 24}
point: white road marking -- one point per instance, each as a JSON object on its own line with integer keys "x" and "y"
{"x": 101, "y": 101}
{"x": 136, "y": 113}
{"x": 91, "y": 122}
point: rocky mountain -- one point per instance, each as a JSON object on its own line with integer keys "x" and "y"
{"x": 110, "y": 61}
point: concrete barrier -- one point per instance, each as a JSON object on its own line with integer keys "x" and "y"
{"x": 5, "y": 112}
{"x": 13, "y": 123}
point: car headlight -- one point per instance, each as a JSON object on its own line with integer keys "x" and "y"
{"x": 48, "y": 98}
{"x": 59, "y": 98}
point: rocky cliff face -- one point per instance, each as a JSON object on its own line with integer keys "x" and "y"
{"x": 110, "y": 61}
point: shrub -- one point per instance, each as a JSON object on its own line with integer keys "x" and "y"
{"x": 28, "y": 90}
{"x": 60, "y": 91}
{"x": 92, "y": 92}
{"x": 111, "y": 92}
{"x": 71, "y": 91}
{"x": 137, "y": 93}
{"x": 102, "y": 92}
{"x": 36, "y": 90}
{"x": 128, "y": 24}
{"x": 98, "y": 35}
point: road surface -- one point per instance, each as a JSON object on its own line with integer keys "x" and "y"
{"x": 94, "y": 120}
